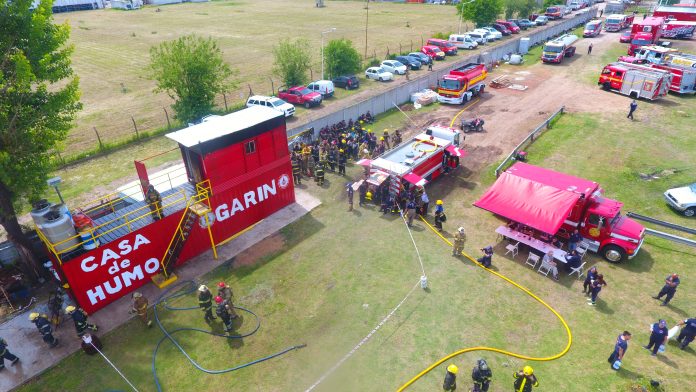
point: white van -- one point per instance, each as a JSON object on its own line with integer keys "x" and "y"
{"x": 462, "y": 41}
{"x": 477, "y": 36}
{"x": 274, "y": 103}
{"x": 323, "y": 87}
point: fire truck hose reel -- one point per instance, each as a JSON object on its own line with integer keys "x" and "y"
{"x": 187, "y": 287}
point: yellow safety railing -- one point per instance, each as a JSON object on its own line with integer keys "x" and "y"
{"x": 203, "y": 193}
{"x": 128, "y": 219}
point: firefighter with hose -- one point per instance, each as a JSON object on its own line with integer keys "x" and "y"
{"x": 139, "y": 307}
{"x": 459, "y": 238}
{"x": 79, "y": 317}
{"x": 525, "y": 380}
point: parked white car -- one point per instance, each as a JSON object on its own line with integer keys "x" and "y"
{"x": 394, "y": 67}
{"x": 378, "y": 73}
{"x": 541, "y": 20}
{"x": 274, "y": 103}
{"x": 478, "y": 36}
{"x": 493, "y": 32}
{"x": 323, "y": 87}
{"x": 683, "y": 199}
{"x": 463, "y": 41}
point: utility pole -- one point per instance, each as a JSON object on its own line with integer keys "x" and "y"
{"x": 367, "y": 15}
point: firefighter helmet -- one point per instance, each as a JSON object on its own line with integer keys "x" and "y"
{"x": 452, "y": 369}
{"x": 341, "y": 151}
{"x": 33, "y": 316}
{"x": 528, "y": 371}
{"x": 137, "y": 294}
{"x": 439, "y": 202}
{"x": 460, "y": 230}
{"x": 202, "y": 288}
{"x": 69, "y": 309}
{"x": 381, "y": 138}
{"x": 218, "y": 299}
{"x": 221, "y": 284}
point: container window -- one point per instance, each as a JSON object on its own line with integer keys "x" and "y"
{"x": 250, "y": 147}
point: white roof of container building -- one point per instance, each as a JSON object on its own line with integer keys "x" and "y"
{"x": 217, "y": 127}
{"x": 666, "y": 8}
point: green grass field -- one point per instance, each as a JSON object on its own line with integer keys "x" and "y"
{"x": 334, "y": 275}
{"x": 112, "y": 49}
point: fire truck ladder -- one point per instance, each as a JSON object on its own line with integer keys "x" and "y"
{"x": 197, "y": 207}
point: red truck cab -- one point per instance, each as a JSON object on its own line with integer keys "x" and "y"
{"x": 300, "y": 95}
{"x": 554, "y": 12}
{"x": 449, "y": 48}
{"x": 461, "y": 84}
{"x": 433, "y": 52}
{"x": 556, "y": 203}
{"x": 646, "y": 32}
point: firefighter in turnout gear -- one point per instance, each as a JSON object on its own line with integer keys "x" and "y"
{"x": 459, "y": 238}
{"x": 319, "y": 175}
{"x": 6, "y": 354}
{"x": 223, "y": 311}
{"x": 79, "y": 317}
{"x": 525, "y": 380}
{"x": 296, "y": 175}
{"x": 342, "y": 162}
{"x": 44, "y": 327}
{"x": 205, "y": 302}
{"x": 225, "y": 292}
{"x": 154, "y": 200}
{"x": 450, "y": 382}
{"x": 140, "y": 308}
{"x": 481, "y": 375}
{"x": 332, "y": 159}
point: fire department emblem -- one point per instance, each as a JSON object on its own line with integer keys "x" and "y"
{"x": 284, "y": 181}
{"x": 204, "y": 223}
{"x": 594, "y": 232}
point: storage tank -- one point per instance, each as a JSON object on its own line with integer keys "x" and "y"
{"x": 524, "y": 45}
{"x": 59, "y": 227}
{"x": 41, "y": 207}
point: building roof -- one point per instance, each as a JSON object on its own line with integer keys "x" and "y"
{"x": 238, "y": 125}
{"x": 667, "y": 9}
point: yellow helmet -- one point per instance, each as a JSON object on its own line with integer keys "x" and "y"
{"x": 33, "y": 316}
{"x": 452, "y": 369}
{"x": 381, "y": 138}
{"x": 439, "y": 202}
{"x": 341, "y": 151}
{"x": 528, "y": 370}
{"x": 69, "y": 309}
{"x": 343, "y": 141}
{"x": 369, "y": 130}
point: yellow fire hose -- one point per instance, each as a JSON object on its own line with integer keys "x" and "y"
{"x": 492, "y": 349}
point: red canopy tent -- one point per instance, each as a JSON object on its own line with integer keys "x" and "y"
{"x": 536, "y": 197}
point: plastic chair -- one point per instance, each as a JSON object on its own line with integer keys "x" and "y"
{"x": 581, "y": 249}
{"x": 580, "y": 270}
{"x": 546, "y": 267}
{"x": 512, "y": 249}
{"x": 532, "y": 259}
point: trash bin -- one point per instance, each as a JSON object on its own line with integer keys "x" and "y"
{"x": 524, "y": 45}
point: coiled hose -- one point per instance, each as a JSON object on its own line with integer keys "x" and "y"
{"x": 188, "y": 287}
{"x": 492, "y": 349}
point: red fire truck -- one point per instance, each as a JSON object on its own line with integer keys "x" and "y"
{"x": 679, "y": 29}
{"x": 676, "y": 13}
{"x": 646, "y": 32}
{"x": 419, "y": 160}
{"x": 462, "y": 83}
{"x": 556, "y": 50}
{"x": 556, "y": 204}
{"x": 237, "y": 172}
{"x": 618, "y": 22}
{"x": 636, "y": 81}
{"x": 681, "y": 66}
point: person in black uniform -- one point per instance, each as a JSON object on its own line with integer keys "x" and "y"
{"x": 205, "y": 302}
{"x": 525, "y": 380}
{"x": 591, "y": 275}
{"x": 620, "y": 348}
{"x": 44, "y": 327}
{"x": 687, "y": 333}
{"x": 319, "y": 174}
{"x": 670, "y": 287}
{"x": 154, "y": 200}
{"x": 223, "y": 312}
{"x": 481, "y": 375}
{"x": 658, "y": 336}
{"x": 332, "y": 159}
{"x": 79, "y": 317}
{"x": 342, "y": 162}
{"x": 296, "y": 171}
{"x": 573, "y": 259}
{"x": 450, "y": 382}
{"x": 6, "y": 354}
{"x": 487, "y": 259}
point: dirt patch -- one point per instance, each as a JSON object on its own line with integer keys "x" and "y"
{"x": 261, "y": 250}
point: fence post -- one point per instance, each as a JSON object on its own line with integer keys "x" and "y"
{"x": 272, "y": 86}
{"x": 169, "y": 124}
{"x": 101, "y": 146}
{"x": 224, "y": 97}
{"x": 400, "y": 50}
{"x": 411, "y": 45}
{"x": 137, "y": 134}
{"x": 60, "y": 157}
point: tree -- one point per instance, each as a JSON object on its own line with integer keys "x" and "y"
{"x": 481, "y": 12}
{"x": 292, "y": 60}
{"x": 192, "y": 72}
{"x": 341, "y": 58}
{"x": 521, "y": 8}
{"x": 39, "y": 97}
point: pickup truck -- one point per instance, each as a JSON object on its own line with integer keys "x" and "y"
{"x": 300, "y": 95}
{"x": 683, "y": 199}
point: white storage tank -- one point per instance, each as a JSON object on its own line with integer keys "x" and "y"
{"x": 41, "y": 207}
{"x": 58, "y": 227}
{"x": 524, "y": 45}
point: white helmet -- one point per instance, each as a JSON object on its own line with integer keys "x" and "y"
{"x": 202, "y": 288}
{"x": 461, "y": 229}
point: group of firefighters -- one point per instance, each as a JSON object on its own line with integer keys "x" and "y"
{"x": 481, "y": 376}
{"x": 224, "y": 305}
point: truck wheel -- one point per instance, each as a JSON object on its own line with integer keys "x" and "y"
{"x": 690, "y": 212}
{"x": 606, "y": 86}
{"x": 306, "y": 105}
{"x": 380, "y": 79}
{"x": 613, "y": 253}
